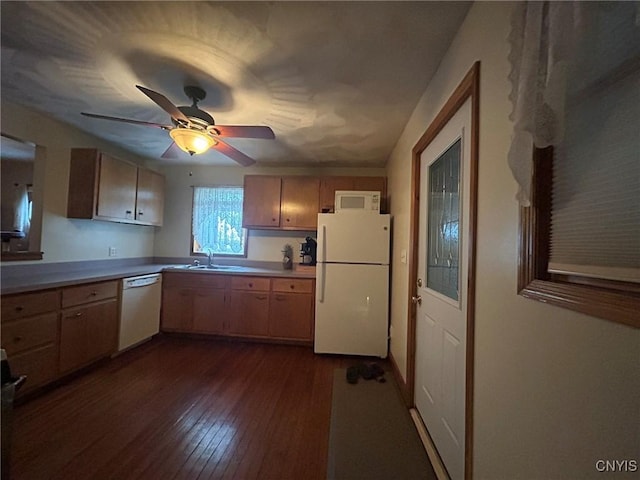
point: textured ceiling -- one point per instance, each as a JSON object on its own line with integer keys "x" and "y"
{"x": 336, "y": 81}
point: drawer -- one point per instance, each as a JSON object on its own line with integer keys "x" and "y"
{"x": 39, "y": 365}
{"x": 91, "y": 292}
{"x": 292, "y": 285}
{"x": 29, "y": 332}
{"x": 194, "y": 280}
{"x": 250, "y": 283}
{"x": 27, "y": 304}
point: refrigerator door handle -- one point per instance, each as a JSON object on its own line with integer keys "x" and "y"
{"x": 323, "y": 275}
{"x": 323, "y": 242}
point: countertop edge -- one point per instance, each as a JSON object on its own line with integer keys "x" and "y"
{"x": 25, "y": 285}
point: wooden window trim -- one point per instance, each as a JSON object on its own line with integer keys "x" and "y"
{"x": 614, "y": 301}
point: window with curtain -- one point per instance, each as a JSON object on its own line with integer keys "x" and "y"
{"x": 576, "y": 93}
{"x": 217, "y": 221}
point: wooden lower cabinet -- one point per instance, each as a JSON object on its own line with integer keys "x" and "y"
{"x": 238, "y": 306}
{"x": 249, "y": 313}
{"x": 290, "y": 316}
{"x": 31, "y": 343}
{"x": 51, "y": 333}
{"x": 87, "y": 334}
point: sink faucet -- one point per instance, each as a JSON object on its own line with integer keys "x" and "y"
{"x": 211, "y": 257}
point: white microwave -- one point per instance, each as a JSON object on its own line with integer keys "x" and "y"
{"x": 353, "y": 201}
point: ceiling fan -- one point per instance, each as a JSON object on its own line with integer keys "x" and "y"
{"x": 194, "y": 130}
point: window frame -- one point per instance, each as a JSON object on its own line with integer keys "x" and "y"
{"x": 191, "y": 236}
{"x": 611, "y": 300}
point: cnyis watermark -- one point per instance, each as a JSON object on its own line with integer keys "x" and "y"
{"x": 617, "y": 465}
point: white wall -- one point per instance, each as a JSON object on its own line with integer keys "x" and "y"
{"x": 173, "y": 239}
{"x": 65, "y": 239}
{"x": 554, "y": 390}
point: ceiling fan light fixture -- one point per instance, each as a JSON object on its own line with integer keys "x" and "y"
{"x": 192, "y": 141}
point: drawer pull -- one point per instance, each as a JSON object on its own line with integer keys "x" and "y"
{"x": 261, "y": 297}
{"x": 128, "y": 212}
{"x": 19, "y": 308}
{"x": 292, "y": 287}
{"x": 17, "y": 339}
{"x": 280, "y": 298}
{"x": 140, "y": 213}
{"x": 79, "y": 314}
{"x": 93, "y": 294}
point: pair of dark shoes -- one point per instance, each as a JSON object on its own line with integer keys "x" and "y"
{"x": 368, "y": 371}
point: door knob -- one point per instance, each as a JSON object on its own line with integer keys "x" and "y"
{"x": 417, "y": 300}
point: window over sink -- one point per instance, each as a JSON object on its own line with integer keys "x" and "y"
{"x": 216, "y": 225}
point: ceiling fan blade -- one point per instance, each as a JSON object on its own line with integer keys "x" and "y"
{"x": 245, "y": 131}
{"x": 126, "y": 120}
{"x": 164, "y": 103}
{"x": 172, "y": 152}
{"x": 233, "y": 154}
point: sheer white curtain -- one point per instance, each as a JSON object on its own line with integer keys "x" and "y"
{"x": 542, "y": 38}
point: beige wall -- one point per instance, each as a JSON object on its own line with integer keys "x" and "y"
{"x": 64, "y": 239}
{"x": 172, "y": 240}
{"x": 554, "y": 390}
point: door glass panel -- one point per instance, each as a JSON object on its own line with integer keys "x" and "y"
{"x": 443, "y": 208}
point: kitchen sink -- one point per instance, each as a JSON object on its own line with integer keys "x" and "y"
{"x": 211, "y": 267}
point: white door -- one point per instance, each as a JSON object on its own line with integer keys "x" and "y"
{"x": 441, "y": 316}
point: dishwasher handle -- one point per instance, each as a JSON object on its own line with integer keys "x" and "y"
{"x": 137, "y": 282}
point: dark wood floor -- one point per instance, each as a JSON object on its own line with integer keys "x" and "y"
{"x": 183, "y": 408}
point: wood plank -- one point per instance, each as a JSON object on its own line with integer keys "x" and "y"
{"x": 184, "y": 408}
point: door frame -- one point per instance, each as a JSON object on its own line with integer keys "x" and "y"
{"x": 468, "y": 88}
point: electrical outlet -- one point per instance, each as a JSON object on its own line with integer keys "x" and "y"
{"x": 113, "y": 251}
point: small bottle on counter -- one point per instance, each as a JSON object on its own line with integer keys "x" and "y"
{"x": 287, "y": 259}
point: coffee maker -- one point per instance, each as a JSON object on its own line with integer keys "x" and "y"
{"x": 308, "y": 251}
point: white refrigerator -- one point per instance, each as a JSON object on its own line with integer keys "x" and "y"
{"x": 352, "y": 284}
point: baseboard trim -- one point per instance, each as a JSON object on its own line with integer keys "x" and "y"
{"x": 402, "y": 384}
{"x": 430, "y": 448}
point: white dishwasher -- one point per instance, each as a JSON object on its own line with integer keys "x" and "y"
{"x": 140, "y": 314}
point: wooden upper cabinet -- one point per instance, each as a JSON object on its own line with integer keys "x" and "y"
{"x": 261, "y": 207}
{"x": 104, "y": 188}
{"x": 116, "y": 189}
{"x": 150, "y": 197}
{"x": 329, "y": 185}
{"x": 293, "y": 202}
{"x": 299, "y": 203}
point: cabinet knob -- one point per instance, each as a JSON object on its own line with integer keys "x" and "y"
{"x": 292, "y": 287}
{"x": 250, "y": 285}
{"x": 19, "y": 308}
{"x": 93, "y": 293}
{"x": 288, "y": 220}
{"x": 79, "y": 314}
{"x": 273, "y": 219}
{"x": 17, "y": 339}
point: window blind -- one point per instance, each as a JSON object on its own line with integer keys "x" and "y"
{"x": 595, "y": 213}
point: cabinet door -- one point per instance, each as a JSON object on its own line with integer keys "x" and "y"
{"x": 116, "y": 189}
{"x": 261, "y": 206}
{"x": 73, "y": 340}
{"x": 300, "y": 197}
{"x": 150, "y": 197}
{"x": 249, "y": 313}
{"x": 40, "y": 365}
{"x": 209, "y": 311}
{"x": 177, "y": 309}
{"x": 102, "y": 330}
{"x": 291, "y": 316}
{"x": 87, "y": 334}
